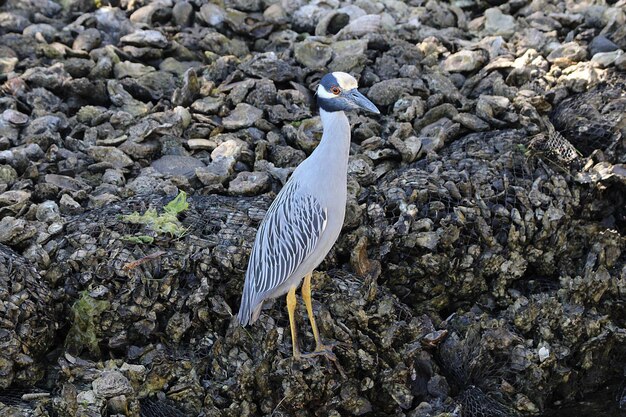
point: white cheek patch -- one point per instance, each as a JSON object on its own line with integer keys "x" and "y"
{"x": 321, "y": 92}
{"x": 346, "y": 81}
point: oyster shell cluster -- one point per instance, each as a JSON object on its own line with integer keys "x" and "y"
{"x": 481, "y": 270}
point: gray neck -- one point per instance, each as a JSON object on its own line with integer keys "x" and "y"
{"x": 325, "y": 171}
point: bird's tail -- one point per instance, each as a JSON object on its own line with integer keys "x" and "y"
{"x": 248, "y": 310}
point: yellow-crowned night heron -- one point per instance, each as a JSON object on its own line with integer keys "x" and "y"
{"x": 304, "y": 221}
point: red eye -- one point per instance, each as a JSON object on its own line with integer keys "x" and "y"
{"x": 335, "y": 90}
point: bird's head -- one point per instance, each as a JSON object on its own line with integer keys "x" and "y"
{"x": 337, "y": 91}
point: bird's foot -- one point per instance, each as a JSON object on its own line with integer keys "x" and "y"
{"x": 322, "y": 350}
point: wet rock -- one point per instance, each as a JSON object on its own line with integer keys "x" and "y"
{"x": 311, "y": 54}
{"x": 388, "y": 92}
{"x": 7, "y": 64}
{"x": 620, "y": 62}
{"x": 15, "y": 231}
{"x": 201, "y": 144}
{"x": 223, "y": 45}
{"x": 498, "y": 23}
{"x": 567, "y": 54}
{"x": 121, "y": 98}
{"x": 131, "y": 69}
{"x": 13, "y": 22}
{"x": 143, "y": 38}
{"x": 177, "y": 165}
{"x": 30, "y": 322}
{"x": 471, "y": 122}
{"x": 465, "y": 61}
{"x": 8, "y": 175}
{"x": 249, "y": 183}
{"x": 212, "y": 14}
{"x": 269, "y": 65}
{"x": 111, "y": 155}
{"x": 68, "y": 205}
{"x": 183, "y": 13}
{"x": 87, "y": 40}
{"x": 208, "y": 105}
{"x": 606, "y": 59}
{"x": 65, "y": 183}
{"x": 601, "y": 44}
{"x": 111, "y": 384}
{"x": 217, "y": 171}
{"x": 348, "y": 56}
{"x": 48, "y": 212}
{"x": 244, "y": 115}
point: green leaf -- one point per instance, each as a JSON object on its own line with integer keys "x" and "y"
{"x": 178, "y": 204}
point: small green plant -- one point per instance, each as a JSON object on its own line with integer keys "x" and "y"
{"x": 82, "y": 335}
{"x": 164, "y": 223}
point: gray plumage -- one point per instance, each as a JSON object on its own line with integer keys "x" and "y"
{"x": 305, "y": 219}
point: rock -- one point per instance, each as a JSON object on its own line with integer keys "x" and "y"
{"x": 465, "y": 61}
{"x": 143, "y": 38}
{"x": 268, "y": 65}
{"x": 7, "y": 64}
{"x": 178, "y": 68}
{"x": 121, "y": 98}
{"x": 68, "y": 205}
{"x": 230, "y": 148}
{"x": 471, "y": 122}
{"x": 183, "y": 13}
{"x": 15, "y": 117}
{"x": 201, "y": 144}
{"x": 311, "y": 54}
{"x": 48, "y": 212}
{"x": 601, "y": 44}
{"x": 131, "y": 69}
{"x": 499, "y": 24}
{"x": 249, "y": 183}
{"x": 567, "y": 54}
{"x": 244, "y": 115}
{"x": 388, "y": 92}
{"x": 48, "y": 32}
{"x": 15, "y": 231}
{"x": 217, "y": 171}
{"x": 348, "y": 56}
{"x": 223, "y": 45}
{"x": 79, "y": 67}
{"x": 207, "y": 105}
{"x": 87, "y": 40}
{"x": 438, "y": 387}
{"x": 13, "y": 22}
{"x": 177, "y": 165}
{"x": 606, "y": 59}
{"x": 212, "y": 14}
{"x": 8, "y": 175}
{"x": 111, "y": 155}
{"x": 111, "y": 384}
{"x": 30, "y": 324}
{"x": 66, "y": 183}
{"x": 113, "y": 176}
{"x": 620, "y": 62}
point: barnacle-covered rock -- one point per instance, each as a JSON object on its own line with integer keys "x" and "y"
{"x": 28, "y": 320}
{"x": 486, "y": 199}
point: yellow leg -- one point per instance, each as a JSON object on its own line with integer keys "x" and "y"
{"x": 291, "y": 309}
{"x": 320, "y": 348}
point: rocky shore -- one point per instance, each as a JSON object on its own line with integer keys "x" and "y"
{"x": 481, "y": 270}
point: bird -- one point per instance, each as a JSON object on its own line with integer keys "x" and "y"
{"x": 305, "y": 219}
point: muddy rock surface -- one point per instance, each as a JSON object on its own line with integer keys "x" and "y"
{"x": 481, "y": 270}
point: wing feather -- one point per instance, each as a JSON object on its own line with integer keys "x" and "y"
{"x": 288, "y": 234}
